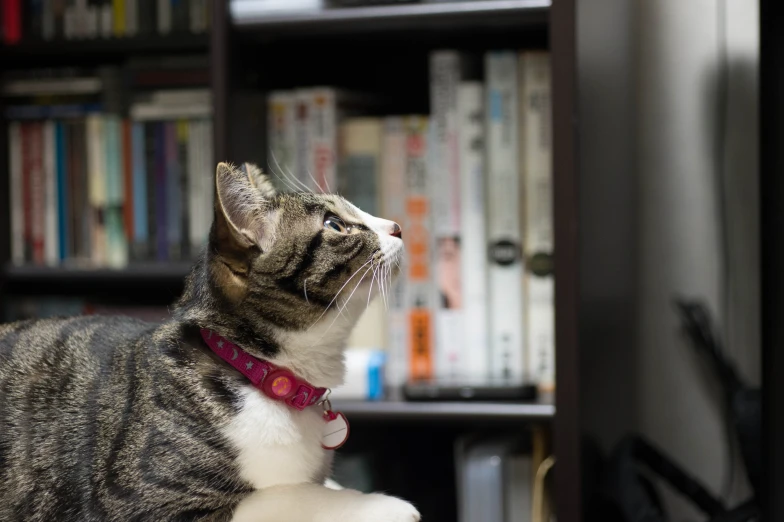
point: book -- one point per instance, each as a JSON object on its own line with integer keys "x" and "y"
{"x": 536, "y": 166}
{"x": 96, "y": 180}
{"x": 140, "y": 249}
{"x": 444, "y": 171}
{"x": 505, "y": 272}
{"x": 282, "y": 137}
{"x": 50, "y": 199}
{"x": 420, "y": 291}
{"x": 359, "y": 173}
{"x": 16, "y": 193}
{"x": 474, "y": 270}
{"x": 393, "y": 190}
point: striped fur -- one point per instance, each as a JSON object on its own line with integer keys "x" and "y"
{"x": 113, "y": 419}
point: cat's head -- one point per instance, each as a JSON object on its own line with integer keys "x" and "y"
{"x": 292, "y": 260}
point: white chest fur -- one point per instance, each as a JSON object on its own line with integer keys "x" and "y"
{"x": 277, "y": 444}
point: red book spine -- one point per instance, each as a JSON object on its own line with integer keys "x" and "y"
{"x": 127, "y": 180}
{"x": 12, "y": 21}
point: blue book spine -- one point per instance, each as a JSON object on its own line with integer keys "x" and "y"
{"x": 140, "y": 225}
{"x": 162, "y": 238}
{"x": 376, "y": 376}
{"x": 63, "y": 212}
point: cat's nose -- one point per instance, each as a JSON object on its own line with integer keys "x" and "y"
{"x": 395, "y": 231}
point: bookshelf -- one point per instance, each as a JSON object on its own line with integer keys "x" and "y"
{"x": 252, "y": 54}
{"x": 239, "y": 52}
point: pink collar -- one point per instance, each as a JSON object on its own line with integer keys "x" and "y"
{"x": 277, "y": 383}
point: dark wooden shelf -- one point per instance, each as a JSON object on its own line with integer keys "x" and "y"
{"x": 410, "y": 16}
{"x": 453, "y": 411}
{"x": 72, "y": 280}
{"x": 34, "y": 53}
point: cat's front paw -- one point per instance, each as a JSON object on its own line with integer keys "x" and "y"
{"x": 382, "y": 508}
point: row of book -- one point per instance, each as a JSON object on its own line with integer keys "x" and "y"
{"x": 91, "y": 188}
{"x": 22, "y": 20}
{"x": 471, "y": 185}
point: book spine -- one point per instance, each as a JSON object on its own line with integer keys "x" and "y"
{"x": 139, "y": 250}
{"x": 184, "y": 167}
{"x": 504, "y": 230}
{"x": 445, "y": 198}
{"x": 173, "y": 195}
{"x": 164, "y": 16}
{"x": 51, "y": 228}
{"x": 302, "y": 174}
{"x": 16, "y": 199}
{"x": 322, "y": 115}
{"x": 161, "y": 149}
{"x": 127, "y": 179}
{"x": 207, "y": 178}
{"x": 119, "y": 18}
{"x": 419, "y": 284}
{"x": 180, "y": 16}
{"x": 37, "y": 193}
{"x": 97, "y": 174}
{"x": 153, "y": 150}
{"x": 131, "y": 17}
{"x": 536, "y": 161}
{"x": 48, "y": 22}
{"x": 63, "y": 184}
{"x": 12, "y": 21}
{"x": 393, "y": 177}
{"x": 27, "y": 204}
{"x": 476, "y": 354}
{"x": 85, "y": 217}
{"x": 194, "y": 185}
{"x": 117, "y": 248}
{"x": 107, "y": 19}
{"x": 281, "y": 135}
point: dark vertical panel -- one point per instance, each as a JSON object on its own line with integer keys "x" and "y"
{"x": 567, "y": 421}
{"x": 219, "y": 71}
{"x": 772, "y": 229}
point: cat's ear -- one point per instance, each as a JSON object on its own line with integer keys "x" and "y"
{"x": 239, "y": 212}
{"x": 260, "y": 181}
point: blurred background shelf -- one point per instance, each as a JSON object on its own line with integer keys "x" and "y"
{"x": 38, "y": 52}
{"x": 389, "y": 17}
{"x": 445, "y": 411}
{"x": 165, "y": 278}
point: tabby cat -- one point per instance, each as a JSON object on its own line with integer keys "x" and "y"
{"x": 114, "y": 419}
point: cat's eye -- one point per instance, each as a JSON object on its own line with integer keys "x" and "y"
{"x": 335, "y": 223}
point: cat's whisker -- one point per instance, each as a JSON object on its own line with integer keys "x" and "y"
{"x": 346, "y": 302}
{"x": 285, "y": 181}
{"x": 305, "y": 288}
{"x": 316, "y": 183}
{"x": 294, "y": 179}
{"x": 340, "y": 290}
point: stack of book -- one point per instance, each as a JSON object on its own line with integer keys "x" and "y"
{"x": 471, "y": 185}
{"x": 91, "y": 186}
{"x": 90, "y": 19}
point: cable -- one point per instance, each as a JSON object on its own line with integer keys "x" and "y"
{"x": 722, "y": 116}
{"x": 538, "y": 495}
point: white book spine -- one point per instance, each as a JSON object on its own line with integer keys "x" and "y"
{"x": 536, "y": 161}
{"x": 445, "y": 190}
{"x": 323, "y": 117}
{"x": 96, "y": 180}
{"x": 51, "y": 231}
{"x": 281, "y": 133}
{"x": 164, "y": 16}
{"x": 107, "y": 21}
{"x": 16, "y": 194}
{"x": 470, "y": 102}
{"x": 504, "y": 217}
{"x": 393, "y": 190}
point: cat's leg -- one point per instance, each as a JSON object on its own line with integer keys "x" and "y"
{"x": 316, "y": 503}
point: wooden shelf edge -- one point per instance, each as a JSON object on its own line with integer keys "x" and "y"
{"x": 109, "y": 46}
